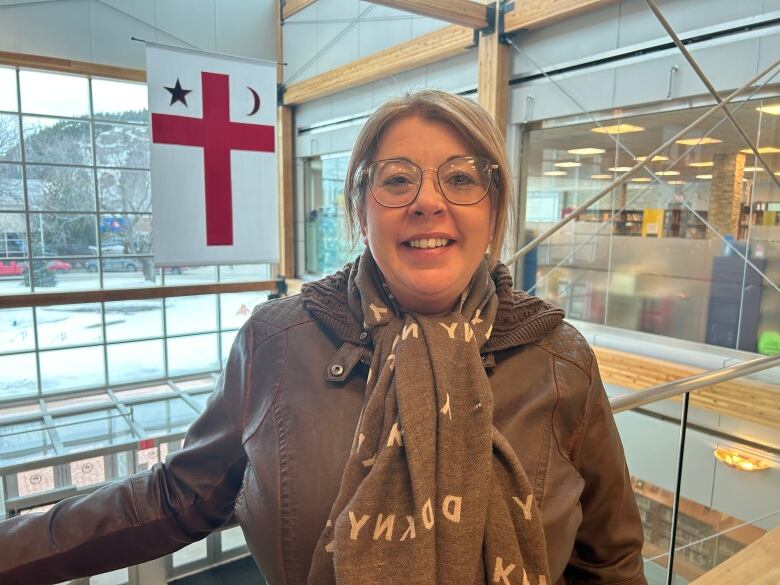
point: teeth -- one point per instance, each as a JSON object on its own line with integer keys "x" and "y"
{"x": 429, "y": 243}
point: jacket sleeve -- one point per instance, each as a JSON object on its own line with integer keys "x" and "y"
{"x": 150, "y": 514}
{"x": 608, "y": 546}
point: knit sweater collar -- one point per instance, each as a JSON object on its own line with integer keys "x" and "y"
{"x": 520, "y": 319}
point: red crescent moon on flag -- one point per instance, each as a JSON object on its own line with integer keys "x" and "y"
{"x": 256, "y": 104}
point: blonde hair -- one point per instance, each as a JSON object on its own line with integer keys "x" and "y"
{"x": 468, "y": 118}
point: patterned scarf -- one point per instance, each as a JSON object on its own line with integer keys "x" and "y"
{"x": 431, "y": 493}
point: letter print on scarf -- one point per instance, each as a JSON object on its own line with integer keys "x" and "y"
{"x": 431, "y": 493}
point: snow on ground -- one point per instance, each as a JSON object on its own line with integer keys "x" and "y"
{"x": 63, "y": 367}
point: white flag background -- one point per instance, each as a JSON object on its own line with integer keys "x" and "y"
{"x": 199, "y": 150}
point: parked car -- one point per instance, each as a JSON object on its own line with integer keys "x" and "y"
{"x": 173, "y": 269}
{"x": 113, "y": 265}
{"x": 12, "y": 268}
{"x": 58, "y": 266}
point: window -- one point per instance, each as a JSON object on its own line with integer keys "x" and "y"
{"x": 654, "y": 255}
{"x": 328, "y": 246}
{"x": 75, "y": 215}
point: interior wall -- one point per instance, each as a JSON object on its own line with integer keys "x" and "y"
{"x": 99, "y": 31}
{"x": 629, "y": 28}
{"x": 331, "y": 33}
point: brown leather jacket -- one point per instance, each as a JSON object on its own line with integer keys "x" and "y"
{"x": 271, "y": 444}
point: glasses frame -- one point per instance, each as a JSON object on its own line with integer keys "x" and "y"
{"x": 491, "y": 168}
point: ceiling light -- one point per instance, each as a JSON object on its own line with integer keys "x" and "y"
{"x": 698, "y": 141}
{"x": 656, "y": 158}
{"x": 567, "y": 164}
{"x": 753, "y": 169}
{"x": 703, "y": 176}
{"x": 587, "y": 150}
{"x": 706, "y": 163}
{"x": 641, "y": 179}
{"x": 617, "y": 129}
{"x": 763, "y": 150}
{"x": 740, "y": 461}
{"x": 620, "y": 169}
{"x": 601, "y": 176}
{"x": 668, "y": 173}
{"x": 554, "y": 173}
{"x": 676, "y": 183}
{"x": 773, "y": 109}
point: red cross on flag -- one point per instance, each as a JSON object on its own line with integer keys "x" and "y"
{"x": 213, "y": 159}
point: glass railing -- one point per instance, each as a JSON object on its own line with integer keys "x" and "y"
{"x": 704, "y": 462}
{"x": 56, "y": 448}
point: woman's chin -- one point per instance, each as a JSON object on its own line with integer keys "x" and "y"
{"x": 430, "y": 293}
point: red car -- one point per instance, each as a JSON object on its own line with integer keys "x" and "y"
{"x": 58, "y": 266}
{"x": 12, "y": 268}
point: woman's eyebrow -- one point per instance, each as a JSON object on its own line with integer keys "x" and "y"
{"x": 448, "y": 159}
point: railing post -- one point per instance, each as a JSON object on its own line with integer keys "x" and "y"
{"x": 678, "y": 483}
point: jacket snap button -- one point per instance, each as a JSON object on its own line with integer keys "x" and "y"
{"x": 336, "y": 369}
{"x": 363, "y": 336}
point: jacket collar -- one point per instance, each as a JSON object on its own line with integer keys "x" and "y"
{"x": 520, "y": 319}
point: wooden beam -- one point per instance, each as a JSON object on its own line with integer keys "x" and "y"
{"x": 436, "y": 46}
{"x": 286, "y": 161}
{"x": 493, "y": 77}
{"x": 290, "y": 7}
{"x": 533, "y": 14}
{"x": 756, "y": 563}
{"x": 279, "y": 44}
{"x": 69, "y": 66}
{"x": 131, "y": 294}
{"x": 462, "y": 12}
{"x": 429, "y": 48}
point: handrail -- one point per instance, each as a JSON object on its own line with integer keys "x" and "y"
{"x": 633, "y": 400}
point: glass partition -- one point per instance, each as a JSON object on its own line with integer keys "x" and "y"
{"x": 688, "y": 248}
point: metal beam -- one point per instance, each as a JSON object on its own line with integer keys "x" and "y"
{"x": 711, "y": 88}
{"x": 462, "y": 12}
{"x": 127, "y": 415}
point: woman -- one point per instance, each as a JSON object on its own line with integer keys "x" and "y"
{"x": 411, "y": 419}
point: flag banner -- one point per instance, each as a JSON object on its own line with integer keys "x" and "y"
{"x": 213, "y": 158}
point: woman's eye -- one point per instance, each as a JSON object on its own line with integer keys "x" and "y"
{"x": 461, "y": 180}
{"x": 396, "y": 181}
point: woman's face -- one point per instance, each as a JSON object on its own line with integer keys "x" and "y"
{"x": 426, "y": 280}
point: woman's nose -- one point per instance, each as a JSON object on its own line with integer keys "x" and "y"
{"x": 430, "y": 200}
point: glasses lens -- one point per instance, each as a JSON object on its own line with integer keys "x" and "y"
{"x": 465, "y": 180}
{"x": 394, "y": 183}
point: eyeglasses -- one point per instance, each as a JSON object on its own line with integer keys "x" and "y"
{"x": 464, "y": 180}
